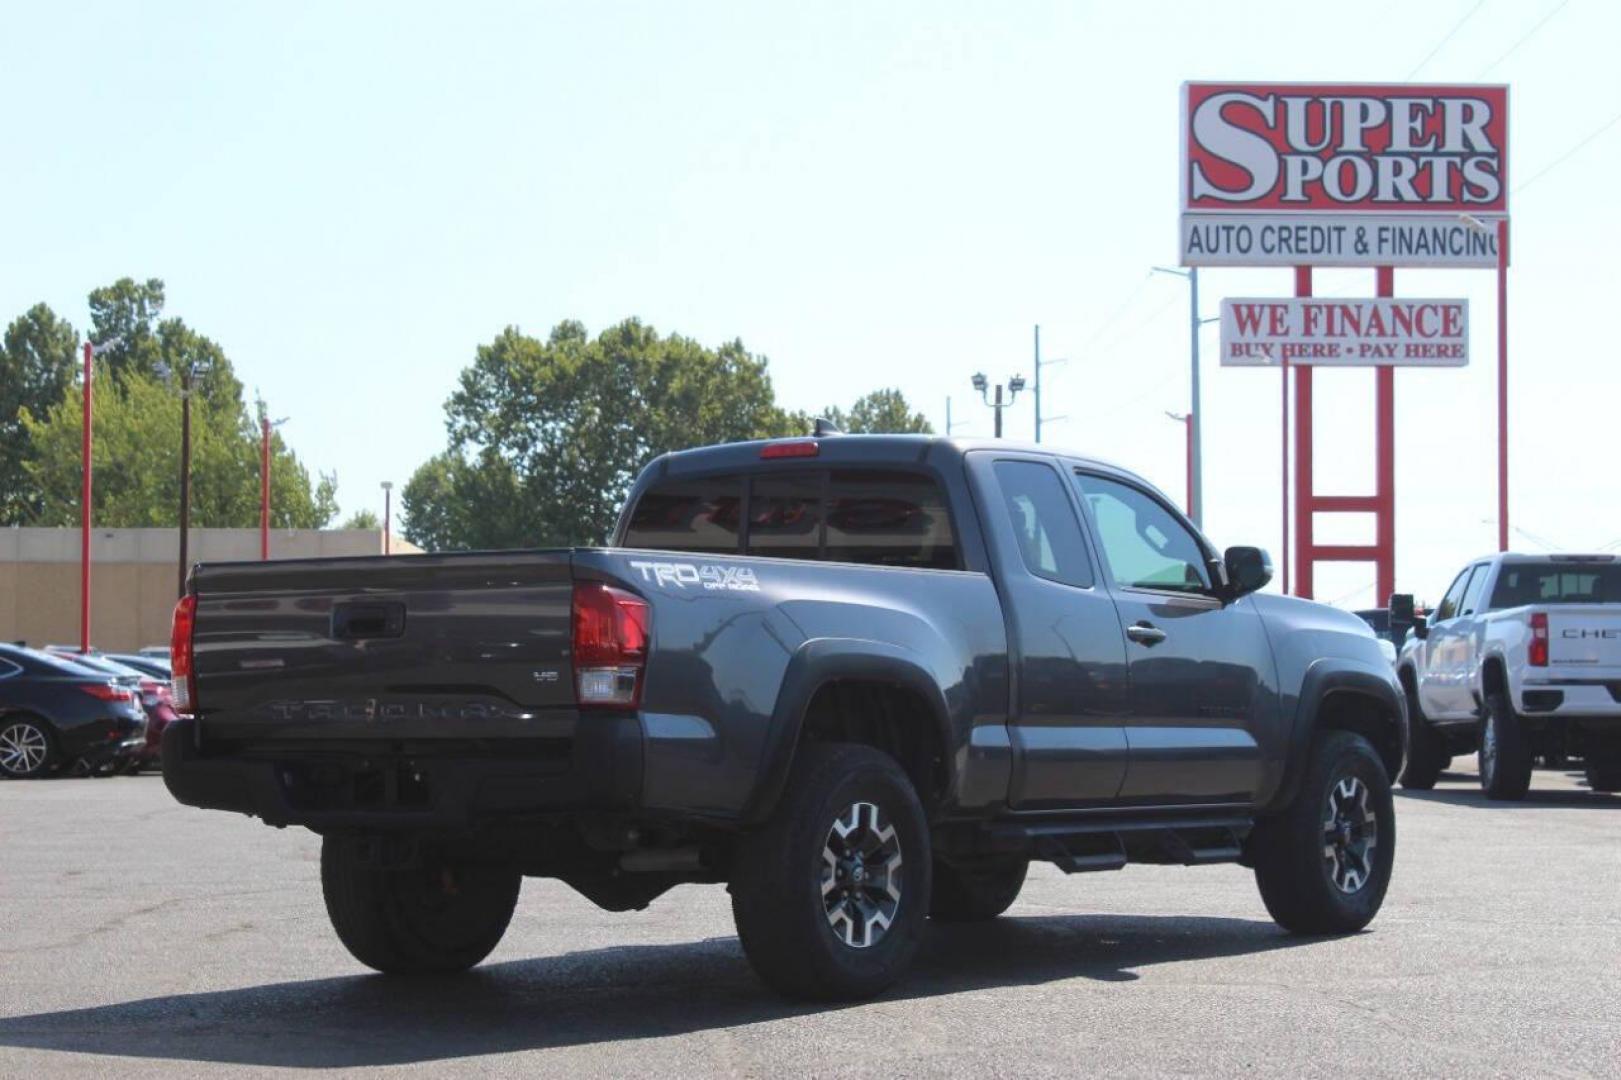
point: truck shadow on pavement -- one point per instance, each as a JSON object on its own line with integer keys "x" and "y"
{"x": 600, "y": 995}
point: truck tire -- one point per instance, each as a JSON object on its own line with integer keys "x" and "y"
{"x": 1504, "y": 755}
{"x": 433, "y": 918}
{"x": 1323, "y": 864}
{"x": 1604, "y": 766}
{"x": 1426, "y": 748}
{"x": 830, "y": 895}
{"x": 975, "y": 894}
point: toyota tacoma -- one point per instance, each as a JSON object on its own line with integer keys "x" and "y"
{"x": 862, "y": 680}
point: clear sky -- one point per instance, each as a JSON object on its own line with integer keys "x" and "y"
{"x": 350, "y": 198}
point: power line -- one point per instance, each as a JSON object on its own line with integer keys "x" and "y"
{"x": 1568, "y": 154}
{"x": 1442, "y": 43}
{"x": 1121, "y": 309}
{"x": 1527, "y": 37}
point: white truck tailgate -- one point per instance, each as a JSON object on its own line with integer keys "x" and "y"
{"x": 1585, "y": 635}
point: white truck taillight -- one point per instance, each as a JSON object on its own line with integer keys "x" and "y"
{"x": 610, "y": 645}
{"x": 180, "y": 654}
{"x": 1537, "y": 654}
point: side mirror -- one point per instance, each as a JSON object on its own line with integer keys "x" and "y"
{"x": 1248, "y": 569}
{"x": 1402, "y": 613}
{"x": 1421, "y": 627}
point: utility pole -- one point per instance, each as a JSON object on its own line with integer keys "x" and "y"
{"x": 185, "y": 471}
{"x": 1040, "y": 363}
{"x": 1195, "y": 416}
{"x": 265, "y": 424}
{"x": 388, "y": 514}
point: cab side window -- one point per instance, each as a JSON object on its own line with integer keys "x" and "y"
{"x": 1145, "y": 546}
{"x": 1448, "y": 608}
{"x": 1044, "y": 523}
{"x": 1472, "y": 595}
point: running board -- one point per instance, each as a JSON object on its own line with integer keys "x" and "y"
{"x": 1079, "y": 845}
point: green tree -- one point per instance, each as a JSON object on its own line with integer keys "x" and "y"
{"x": 546, "y": 436}
{"x": 882, "y": 412}
{"x": 136, "y": 457}
{"x": 37, "y": 361}
{"x": 362, "y": 519}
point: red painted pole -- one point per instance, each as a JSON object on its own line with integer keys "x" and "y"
{"x": 1385, "y": 460}
{"x": 1303, "y": 461}
{"x": 1302, "y": 288}
{"x": 264, "y": 488}
{"x": 1502, "y": 385}
{"x": 84, "y": 514}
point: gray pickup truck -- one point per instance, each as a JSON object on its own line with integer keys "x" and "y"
{"x": 862, "y": 680}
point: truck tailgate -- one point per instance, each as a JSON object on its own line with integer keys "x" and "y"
{"x": 419, "y": 646}
{"x": 1585, "y": 635}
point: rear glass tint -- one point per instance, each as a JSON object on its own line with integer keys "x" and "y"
{"x": 1557, "y": 583}
{"x": 785, "y": 515}
{"x": 690, "y": 515}
{"x": 888, "y": 519}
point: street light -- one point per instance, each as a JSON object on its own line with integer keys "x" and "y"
{"x": 265, "y": 424}
{"x": 1014, "y": 385}
{"x": 188, "y": 373}
{"x": 1196, "y": 496}
{"x": 388, "y": 512}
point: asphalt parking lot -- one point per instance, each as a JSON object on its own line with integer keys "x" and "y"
{"x": 142, "y": 938}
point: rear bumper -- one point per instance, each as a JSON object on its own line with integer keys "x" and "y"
{"x": 381, "y": 787}
{"x": 1586, "y": 699}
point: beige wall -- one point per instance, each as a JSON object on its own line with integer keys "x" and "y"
{"x": 134, "y": 576}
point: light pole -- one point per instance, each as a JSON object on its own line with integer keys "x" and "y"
{"x": 388, "y": 515}
{"x": 1040, "y": 363}
{"x": 1502, "y": 370}
{"x": 1196, "y": 435}
{"x": 1014, "y": 385}
{"x": 265, "y": 424}
{"x": 1186, "y": 420}
{"x": 86, "y": 470}
{"x": 188, "y": 373}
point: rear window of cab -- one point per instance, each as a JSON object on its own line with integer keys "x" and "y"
{"x": 879, "y": 517}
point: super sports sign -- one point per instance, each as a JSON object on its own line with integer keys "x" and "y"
{"x": 1342, "y": 175}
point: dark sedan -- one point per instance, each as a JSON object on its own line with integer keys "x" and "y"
{"x": 152, "y": 686}
{"x": 54, "y": 713}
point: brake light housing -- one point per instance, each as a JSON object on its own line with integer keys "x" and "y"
{"x": 108, "y": 692}
{"x": 611, "y": 636}
{"x": 791, "y": 448}
{"x": 1537, "y": 654}
{"x": 181, "y": 666}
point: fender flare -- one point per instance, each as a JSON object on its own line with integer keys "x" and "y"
{"x": 815, "y": 664}
{"x": 1326, "y": 676}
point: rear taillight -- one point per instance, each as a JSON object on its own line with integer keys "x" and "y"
{"x": 108, "y": 692}
{"x": 798, "y": 448}
{"x": 1538, "y": 653}
{"x": 180, "y": 657}
{"x": 610, "y": 645}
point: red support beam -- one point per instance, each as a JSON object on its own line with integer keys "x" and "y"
{"x": 1502, "y": 385}
{"x": 84, "y": 512}
{"x": 1303, "y": 460}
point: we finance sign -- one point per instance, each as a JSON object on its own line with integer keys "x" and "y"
{"x": 1342, "y": 175}
{"x": 1344, "y": 333}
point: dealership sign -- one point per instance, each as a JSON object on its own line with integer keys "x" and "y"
{"x": 1342, "y": 175}
{"x": 1345, "y": 333}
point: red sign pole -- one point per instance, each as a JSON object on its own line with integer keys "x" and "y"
{"x": 84, "y": 514}
{"x": 1303, "y": 460}
{"x": 1502, "y": 384}
{"x": 264, "y": 488}
{"x": 1385, "y": 461}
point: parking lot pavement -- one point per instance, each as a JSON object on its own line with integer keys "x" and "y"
{"x": 144, "y": 938}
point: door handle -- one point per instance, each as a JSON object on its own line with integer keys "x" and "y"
{"x": 1145, "y": 633}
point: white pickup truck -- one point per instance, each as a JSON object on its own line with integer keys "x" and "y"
{"x": 1521, "y": 657}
